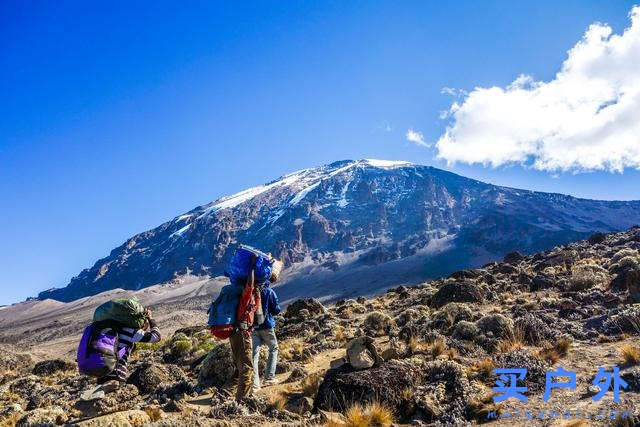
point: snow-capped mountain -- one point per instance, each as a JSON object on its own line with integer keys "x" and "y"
{"x": 354, "y": 227}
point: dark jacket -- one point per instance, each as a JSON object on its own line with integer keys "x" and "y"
{"x": 270, "y": 306}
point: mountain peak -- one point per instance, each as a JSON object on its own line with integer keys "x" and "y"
{"x": 366, "y": 222}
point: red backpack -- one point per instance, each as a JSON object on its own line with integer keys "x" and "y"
{"x": 250, "y": 305}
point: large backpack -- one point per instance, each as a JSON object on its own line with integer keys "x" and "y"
{"x": 127, "y": 311}
{"x": 98, "y": 351}
{"x": 241, "y": 263}
{"x": 237, "y": 305}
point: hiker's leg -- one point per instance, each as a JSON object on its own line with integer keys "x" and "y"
{"x": 122, "y": 371}
{"x": 257, "y": 342}
{"x": 235, "y": 344}
{"x": 270, "y": 339}
{"x": 245, "y": 368}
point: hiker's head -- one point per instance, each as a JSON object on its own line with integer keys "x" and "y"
{"x": 276, "y": 269}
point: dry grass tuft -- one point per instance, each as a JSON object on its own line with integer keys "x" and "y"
{"x": 356, "y": 417}
{"x": 563, "y": 345}
{"x": 452, "y": 354}
{"x": 512, "y": 343}
{"x": 379, "y": 415}
{"x": 630, "y": 354}
{"x": 279, "y": 401}
{"x": 551, "y": 353}
{"x": 480, "y": 408}
{"x": 374, "y": 414}
{"x": 311, "y": 384}
{"x": 437, "y": 348}
{"x": 292, "y": 349}
{"x": 576, "y": 423}
{"x": 339, "y": 335}
{"x": 154, "y": 412}
{"x": 484, "y": 369}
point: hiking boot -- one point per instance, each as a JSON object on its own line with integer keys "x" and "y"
{"x": 270, "y": 381}
{"x": 110, "y": 386}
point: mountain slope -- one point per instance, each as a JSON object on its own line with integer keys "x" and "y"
{"x": 354, "y": 227}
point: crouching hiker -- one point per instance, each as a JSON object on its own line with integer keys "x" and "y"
{"x": 237, "y": 308}
{"x": 127, "y": 339}
{"x": 265, "y": 334}
{"x": 107, "y": 342}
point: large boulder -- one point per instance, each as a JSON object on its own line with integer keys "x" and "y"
{"x": 362, "y": 353}
{"x": 148, "y": 376}
{"x": 342, "y": 387}
{"x": 496, "y": 326}
{"x": 218, "y": 367}
{"x": 312, "y": 305}
{"x": 466, "y": 291}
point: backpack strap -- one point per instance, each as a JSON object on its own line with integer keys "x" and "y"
{"x": 250, "y": 284}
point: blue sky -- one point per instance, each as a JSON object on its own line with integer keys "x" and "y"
{"x": 117, "y": 117}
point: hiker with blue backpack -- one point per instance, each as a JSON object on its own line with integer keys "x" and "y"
{"x": 107, "y": 342}
{"x": 238, "y": 308}
{"x": 265, "y": 334}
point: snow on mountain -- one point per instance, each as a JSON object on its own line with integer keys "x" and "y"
{"x": 354, "y": 227}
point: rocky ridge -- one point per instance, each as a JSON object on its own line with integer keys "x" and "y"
{"x": 420, "y": 355}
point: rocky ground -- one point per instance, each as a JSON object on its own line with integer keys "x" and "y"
{"x": 421, "y": 355}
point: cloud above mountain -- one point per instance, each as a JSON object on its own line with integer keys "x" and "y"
{"x": 416, "y": 137}
{"x": 587, "y": 118}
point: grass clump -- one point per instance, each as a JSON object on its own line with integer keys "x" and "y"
{"x": 484, "y": 369}
{"x": 630, "y": 354}
{"x": 588, "y": 274}
{"x": 378, "y": 322}
{"x": 374, "y": 414}
{"x": 292, "y": 349}
{"x": 551, "y": 353}
{"x": 478, "y": 409}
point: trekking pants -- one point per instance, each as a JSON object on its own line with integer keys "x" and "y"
{"x": 241, "y": 349}
{"x": 264, "y": 337}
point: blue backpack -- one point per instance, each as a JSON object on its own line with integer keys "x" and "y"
{"x": 222, "y": 311}
{"x": 240, "y": 264}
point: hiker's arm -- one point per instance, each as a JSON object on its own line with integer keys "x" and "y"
{"x": 153, "y": 335}
{"x": 275, "y": 304}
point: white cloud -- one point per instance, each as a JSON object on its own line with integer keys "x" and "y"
{"x": 586, "y": 118}
{"x": 416, "y": 137}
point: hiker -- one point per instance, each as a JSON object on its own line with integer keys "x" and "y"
{"x": 265, "y": 334}
{"x": 238, "y": 307}
{"x": 127, "y": 337}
